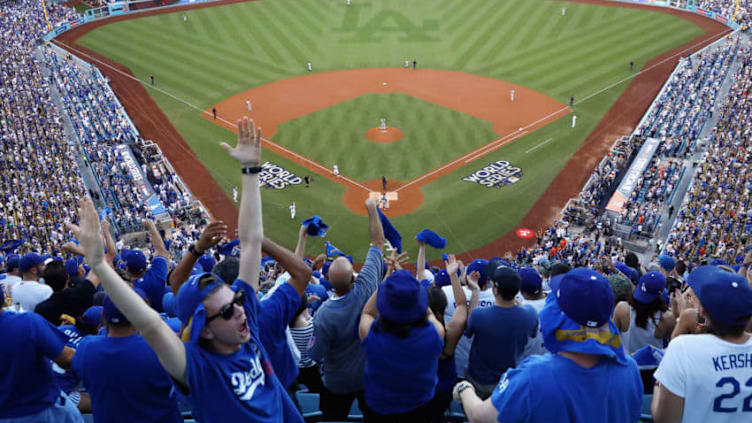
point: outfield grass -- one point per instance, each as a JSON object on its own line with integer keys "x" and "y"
{"x": 221, "y": 51}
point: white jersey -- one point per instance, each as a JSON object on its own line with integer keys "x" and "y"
{"x": 713, "y": 376}
{"x": 30, "y": 293}
{"x": 462, "y": 353}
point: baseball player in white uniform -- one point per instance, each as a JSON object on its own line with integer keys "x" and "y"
{"x": 708, "y": 377}
{"x": 348, "y": 2}
{"x": 574, "y": 120}
{"x": 292, "y": 210}
{"x": 185, "y": 18}
{"x": 235, "y": 194}
{"x": 335, "y": 170}
{"x": 248, "y": 105}
{"x": 511, "y": 95}
{"x": 382, "y": 125}
{"x": 563, "y": 11}
{"x": 407, "y": 64}
{"x": 310, "y": 66}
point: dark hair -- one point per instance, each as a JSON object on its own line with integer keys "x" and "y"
{"x": 437, "y": 302}
{"x": 680, "y": 267}
{"x": 559, "y": 269}
{"x": 724, "y": 330}
{"x": 507, "y": 291}
{"x": 55, "y": 275}
{"x": 400, "y": 330}
{"x": 631, "y": 260}
{"x": 647, "y": 311}
{"x": 84, "y": 327}
{"x": 227, "y": 269}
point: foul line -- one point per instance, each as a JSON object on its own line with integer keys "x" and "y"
{"x": 482, "y": 151}
{"x": 270, "y": 144}
{"x": 540, "y": 145}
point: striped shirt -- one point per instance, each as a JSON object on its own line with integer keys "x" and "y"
{"x": 302, "y": 337}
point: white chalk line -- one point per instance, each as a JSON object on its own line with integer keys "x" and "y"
{"x": 539, "y": 145}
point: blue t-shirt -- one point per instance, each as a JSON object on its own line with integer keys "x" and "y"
{"x": 241, "y": 386}
{"x": 125, "y": 380}
{"x": 26, "y": 382}
{"x": 552, "y": 388}
{"x": 67, "y": 379}
{"x": 276, "y": 312}
{"x": 501, "y": 334}
{"x": 401, "y": 373}
{"x": 154, "y": 282}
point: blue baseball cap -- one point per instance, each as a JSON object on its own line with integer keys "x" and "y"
{"x": 30, "y": 261}
{"x": 479, "y": 265}
{"x": 135, "y": 260}
{"x": 71, "y": 265}
{"x": 93, "y": 316}
{"x": 650, "y": 287}
{"x": 190, "y": 295}
{"x": 442, "y": 279}
{"x": 667, "y": 262}
{"x": 630, "y": 272}
{"x": 726, "y": 296}
{"x": 586, "y": 297}
{"x": 401, "y": 298}
{"x": 532, "y": 283}
{"x": 207, "y": 262}
{"x": 110, "y": 311}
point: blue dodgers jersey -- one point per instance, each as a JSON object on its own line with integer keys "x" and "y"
{"x": 67, "y": 379}
{"x": 552, "y": 388}
{"x": 241, "y": 386}
{"x": 125, "y": 380}
{"x": 26, "y": 384}
{"x": 154, "y": 282}
{"x": 276, "y": 312}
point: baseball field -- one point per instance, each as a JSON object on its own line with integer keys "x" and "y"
{"x": 453, "y": 127}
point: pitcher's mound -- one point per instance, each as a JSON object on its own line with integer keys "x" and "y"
{"x": 384, "y": 135}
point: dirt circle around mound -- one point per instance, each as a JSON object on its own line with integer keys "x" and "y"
{"x": 384, "y": 135}
{"x": 410, "y": 197}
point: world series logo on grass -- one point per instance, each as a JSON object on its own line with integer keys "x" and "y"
{"x": 495, "y": 175}
{"x": 277, "y": 177}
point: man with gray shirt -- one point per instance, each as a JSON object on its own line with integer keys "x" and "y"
{"x": 335, "y": 327}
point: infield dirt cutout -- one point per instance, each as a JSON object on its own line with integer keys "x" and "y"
{"x": 479, "y": 96}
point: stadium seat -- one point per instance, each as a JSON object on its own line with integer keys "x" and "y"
{"x": 355, "y": 413}
{"x": 455, "y": 412}
{"x": 645, "y": 415}
{"x": 309, "y": 406}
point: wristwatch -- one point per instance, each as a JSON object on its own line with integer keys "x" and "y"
{"x": 459, "y": 388}
{"x": 193, "y": 250}
{"x": 251, "y": 170}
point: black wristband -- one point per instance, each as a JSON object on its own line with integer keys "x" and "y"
{"x": 193, "y": 250}
{"x": 250, "y": 170}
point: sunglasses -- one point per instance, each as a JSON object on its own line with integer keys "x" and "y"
{"x": 228, "y": 310}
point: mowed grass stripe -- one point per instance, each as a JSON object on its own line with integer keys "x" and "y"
{"x": 320, "y": 11}
{"x": 162, "y": 65}
{"x": 570, "y": 67}
{"x": 543, "y": 19}
{"x": 496, "y": 42}
{"x": 540, "y": 55}
{"x": 459, "y": 7}
{"x": 541, "y": 51}
{"x": 291, "y": 49}
{"x": 234, "y": 43}
{"x": 220, "y": 68}
{"x": 472, "y": 44}
{"x": 605, "y": 77}
{"x": 462, "y": 34}
{"x": 302, "y": 33}
{"x": 462, "y": 15}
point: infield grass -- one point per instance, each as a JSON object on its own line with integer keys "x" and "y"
{"x": 223, "y": 50}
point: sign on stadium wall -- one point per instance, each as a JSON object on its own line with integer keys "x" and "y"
{"x": 495, "y": 175}
{"x": 277, "y": 177}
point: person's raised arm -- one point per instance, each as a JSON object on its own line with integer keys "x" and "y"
{"x": 300, "y": 273}
{"x": 212, "y": 234}
{"x": 161, "y": 338}
{"x": 370, "y": 312}
{"x": 421, "y": 262}
{"x": 456, "y": 325}
{"x": 374, "y": 224}
{"x": 156, "y": 239}
{"x": 109, "y": 242}
{"x": 250, "y": 224}
{"x": 302, "y": 236}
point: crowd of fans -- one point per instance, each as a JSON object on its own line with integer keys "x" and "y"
{"x": 728, "y": 8}
{"x": 199, "y": 326}
{"x": 715, "y": 220}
